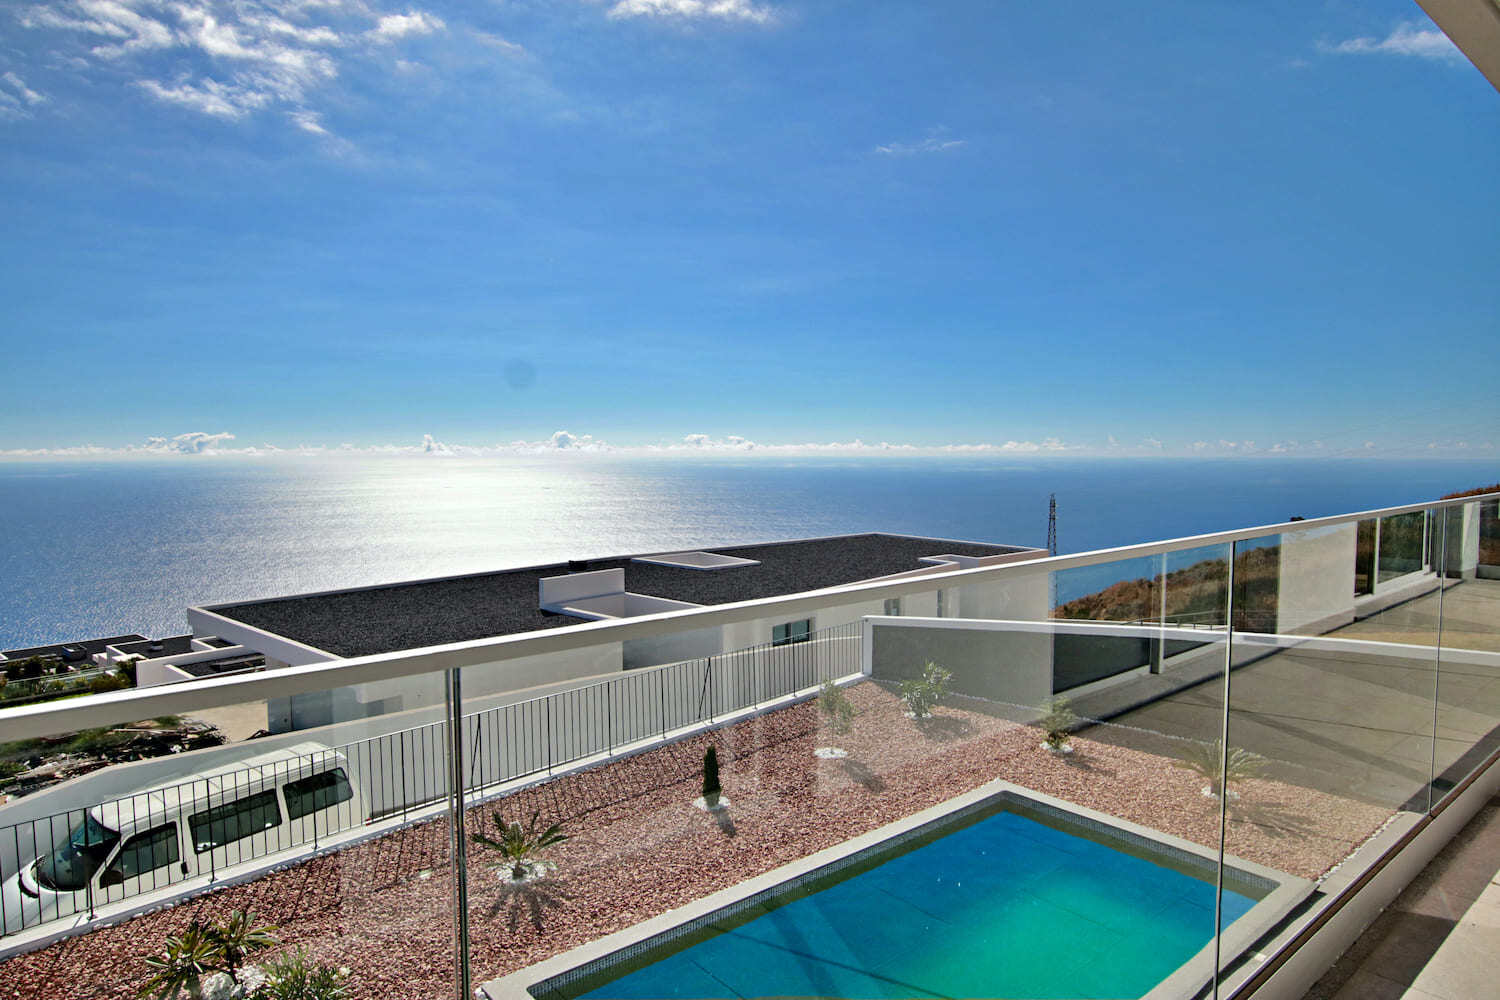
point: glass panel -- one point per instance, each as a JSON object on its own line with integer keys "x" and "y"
{"x": 1468, "y": 711}
{"x": 1364, "y": 558}
{"x": 1330, "y": 721}
{"x": 333, "y": 830}
{"x": 948, "y": 710}
{"x": 143, "y": 853}
{"x": 236, "y": 820}
{"x": 1403, "y": 545}
{"x": 323, "y": 790}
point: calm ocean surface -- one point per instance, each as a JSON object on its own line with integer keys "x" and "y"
{"x": 100, "y": 549}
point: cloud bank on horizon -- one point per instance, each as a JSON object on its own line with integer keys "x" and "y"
{"x": 562, "y": 442}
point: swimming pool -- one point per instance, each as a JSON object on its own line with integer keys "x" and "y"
{"x": 1007, "y": 898}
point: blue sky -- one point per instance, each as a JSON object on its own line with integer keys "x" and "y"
{"x": 1074, "y": 227}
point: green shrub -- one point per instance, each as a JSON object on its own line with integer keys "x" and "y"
{"x": 107, "y": 682}
{"x": 202, "y": 949}
{"x": 711, "y": 786}
{"x": 186, "y": 958}
{"x": 1058, "y": 723}
{"x": 836, "y": 707}
{"x": 295, "y": 977}
{"x": 922, "y": 693}
{"x": 237, "y": 938}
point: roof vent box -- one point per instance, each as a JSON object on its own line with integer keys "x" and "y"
{"x": 696, "y": 560}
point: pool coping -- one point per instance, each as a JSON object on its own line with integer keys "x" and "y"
{"x": 1288, "y": 892}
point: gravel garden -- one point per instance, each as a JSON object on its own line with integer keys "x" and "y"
{"x": 634, "y": 845}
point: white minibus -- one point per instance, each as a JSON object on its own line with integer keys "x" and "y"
{"x": 197, "y": 825}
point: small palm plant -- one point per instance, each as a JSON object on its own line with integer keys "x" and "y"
{"x": 237, "y": 938}
{"x": 522, "y": 847}
{"x": 836, "y": 707}
{"x": 185, "y": 960}
{"x": 1209, "y": 761}
{"x": 1057, "y": 724}
{"x": 922, "y": 693}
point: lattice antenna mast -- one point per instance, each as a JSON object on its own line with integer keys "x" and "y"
{"x": 1052, "y": 524}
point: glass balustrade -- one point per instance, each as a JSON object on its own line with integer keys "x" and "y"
{"x": 1099, "y": 774}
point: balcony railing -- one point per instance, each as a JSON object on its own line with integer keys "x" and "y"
{"x": 1267, "y": 714}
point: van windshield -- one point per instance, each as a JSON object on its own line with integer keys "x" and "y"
{"x": 70, "y": 867}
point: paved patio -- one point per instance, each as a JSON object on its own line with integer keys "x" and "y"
{"x": 1355, "y": 725}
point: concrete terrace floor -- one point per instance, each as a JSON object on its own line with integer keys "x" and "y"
{"x": 1439, "y": 938}
{"x": 1354, "y": 724}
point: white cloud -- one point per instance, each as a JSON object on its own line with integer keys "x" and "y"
{"x": 931, "y": 144}
{"x": 18, "y": 86}
{"x": 1412, "y": 38}
{"x": 210, "y": 97}
{"x": 227, "y": 58}
{"x": 413, "y": 22}
{"x": 308, "y": 121}
{"x": 16, "y": 98}
{"x": 134, "y": 31}
{"x": 191, "y": 443}
{"x": 503, "y": 45}
{"x": 199, "y": 444}
{"x": 723, "y": 10}
{"x": 562, "y": 439}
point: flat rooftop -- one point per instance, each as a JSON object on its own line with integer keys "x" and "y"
{"x": 171, "y": 645}
{"x": 462, "y": 608}
{"x": 88, "y": 646}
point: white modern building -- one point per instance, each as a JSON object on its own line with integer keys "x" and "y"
{"x": 322, "y": 627}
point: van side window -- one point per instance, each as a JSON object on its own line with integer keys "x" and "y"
{"x": 234, "y": 821}
{"x": 318, "y": 791}
{"x": 142, "y": 853}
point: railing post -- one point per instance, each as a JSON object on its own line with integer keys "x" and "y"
{"x": 609, "y": 716}
{"x": 547, "y": 733}
{"x": 1223, "y": 778}
{"x": 453, "y": 692}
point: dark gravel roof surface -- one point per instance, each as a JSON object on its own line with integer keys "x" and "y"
{"x": 170, "y": 646}
{"x": 412, "y": 615}
{"x": 207, "y": 668}
{"x": 89, "y": 646}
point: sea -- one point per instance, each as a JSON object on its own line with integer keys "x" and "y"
{"x": 104, "y": 548}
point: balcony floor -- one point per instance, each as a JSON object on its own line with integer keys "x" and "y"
{"x": 1352, "y": 725}
{"x": 1438, "y": 940}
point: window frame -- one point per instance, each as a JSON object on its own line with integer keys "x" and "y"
{"x": 129, "y": 846}
{"x": 340, "y": 785}
{"x": 235, "y": 807}
{"x": 787, "y": 636}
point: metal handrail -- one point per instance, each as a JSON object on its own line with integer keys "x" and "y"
{"x": 126, "y": 706}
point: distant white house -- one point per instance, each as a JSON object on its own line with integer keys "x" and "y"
{"x": 325, "y": 626}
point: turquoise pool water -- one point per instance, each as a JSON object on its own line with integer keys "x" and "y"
{"x": 1007, "y": 906}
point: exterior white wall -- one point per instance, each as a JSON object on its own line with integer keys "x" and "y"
{"x": 673, "y": 648}
{"x": 149, "y": 673}
{"x": 1317, "y": 580}
{"x": 1025, "y": 598}
{"x": 988, "y": 660}
{"x": 405, "y": 694}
